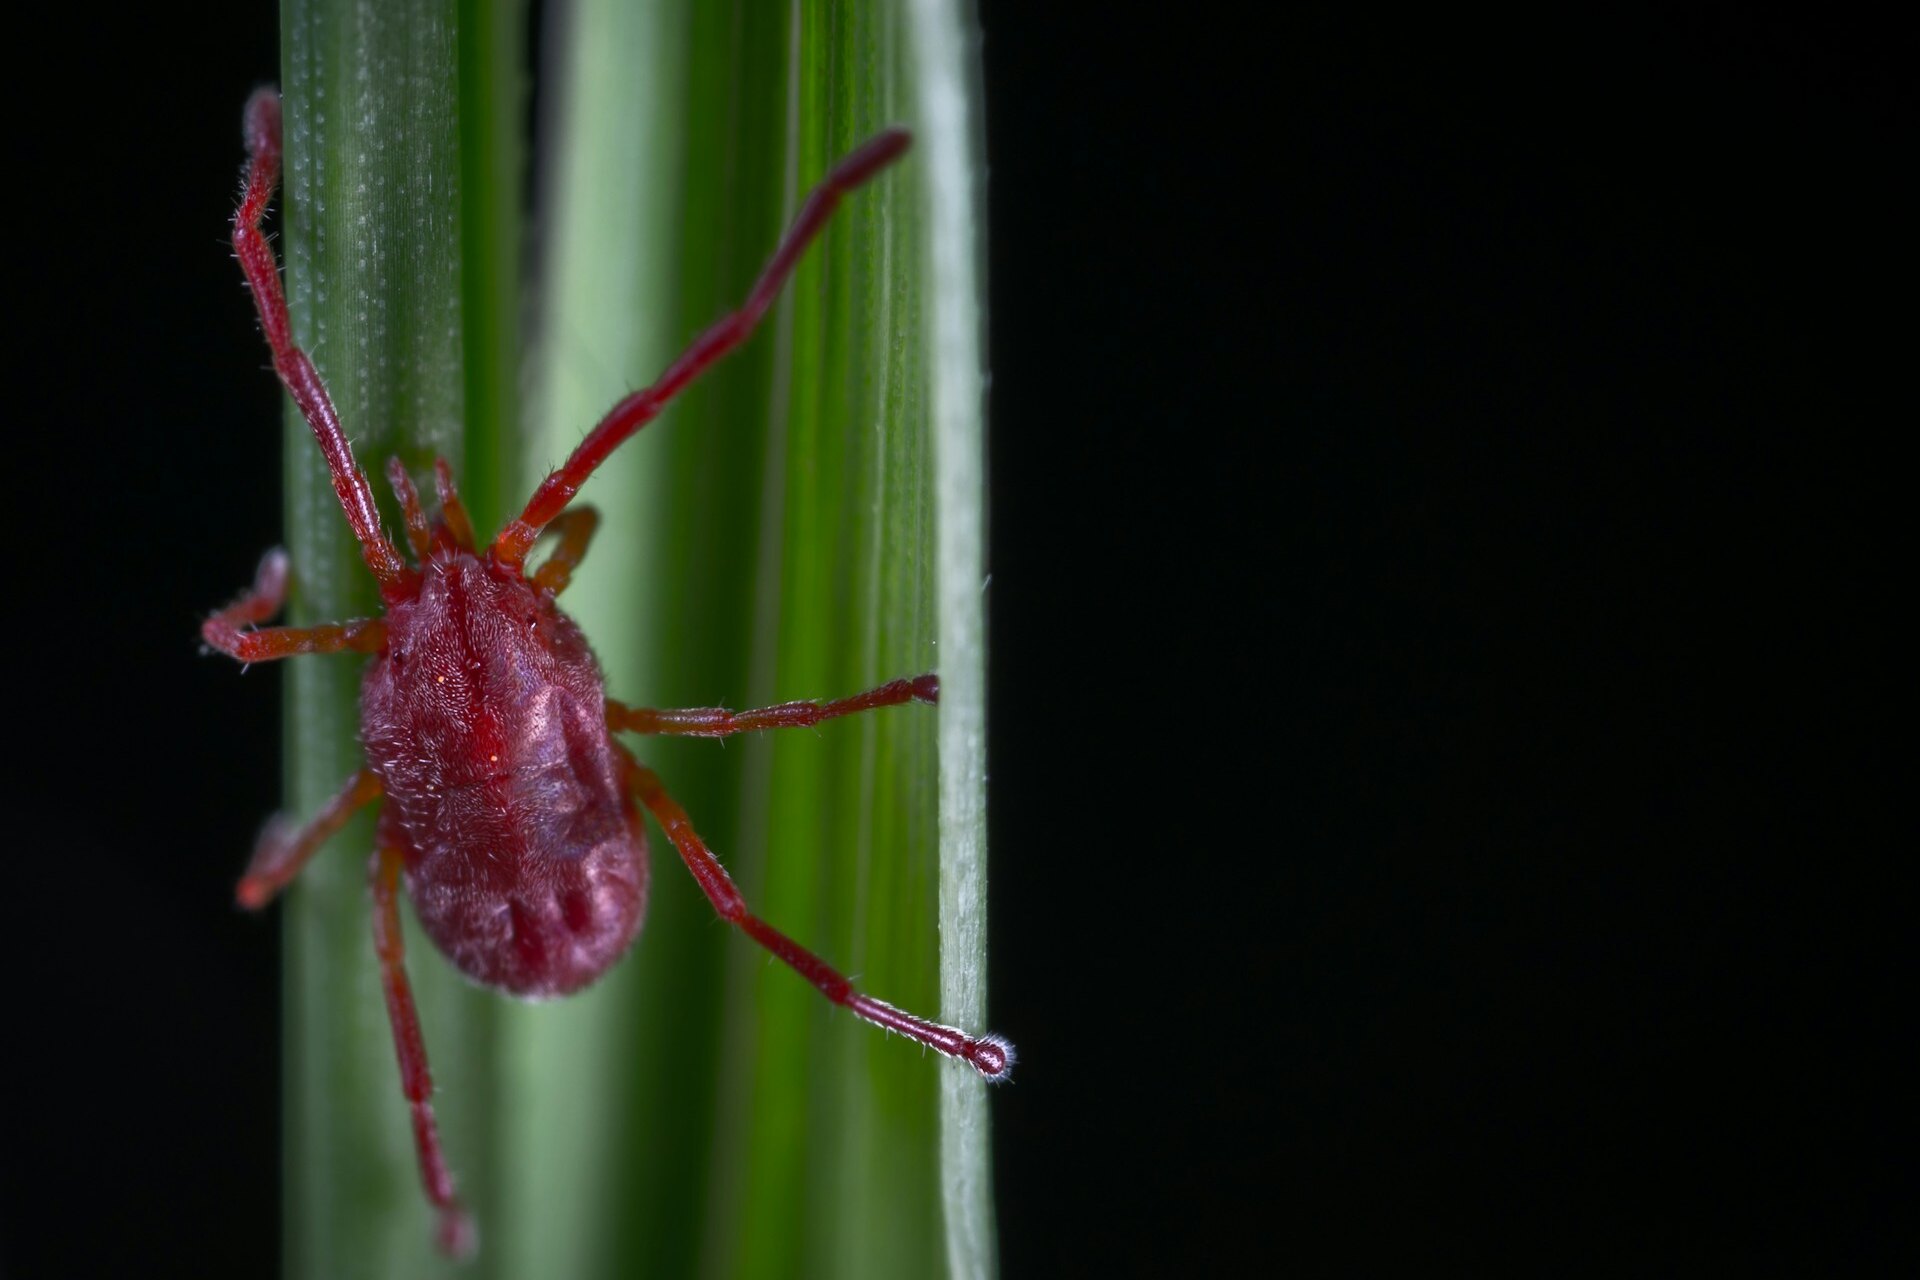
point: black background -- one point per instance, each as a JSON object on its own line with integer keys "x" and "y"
{"x": 1443, "y": 490}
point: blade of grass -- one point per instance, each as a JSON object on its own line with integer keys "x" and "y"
{"x": 772, "y": 537}
{"x": 605, "y": 1120}
{"x": 946, "y": 57}
{"x": 839, "y": 832}
{"x": 383, "y": 263}
{"x": 784, "y": 540}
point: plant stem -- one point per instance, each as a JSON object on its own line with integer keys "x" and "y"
{"x": 783, "y": 523}
{"x": 384, "y": 230}
{"x": 776, "y": 535}
{"x": 946, "y": 53}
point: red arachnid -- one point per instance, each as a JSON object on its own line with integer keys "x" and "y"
{"x": 510, "y": 814}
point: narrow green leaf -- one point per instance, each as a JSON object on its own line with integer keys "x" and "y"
{"x": 775, "y": 536}
{"x": 808, "y": 522}
{"x": 387, "y": 270}
{"x": 946, "y": 56}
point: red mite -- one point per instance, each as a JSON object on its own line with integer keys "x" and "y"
{"x": 512, "y": 816}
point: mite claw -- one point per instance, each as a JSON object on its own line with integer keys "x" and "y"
{"x": 993, "y": 1058}
{"x": 276, "y": 855}
{"x": 456, "y": 1236}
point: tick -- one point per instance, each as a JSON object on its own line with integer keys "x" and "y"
{"x": 509, "y": 813}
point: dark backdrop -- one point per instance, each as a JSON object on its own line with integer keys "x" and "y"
{"x": 1442, "y": 490}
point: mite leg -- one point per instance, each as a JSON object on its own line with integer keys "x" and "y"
{"x": 419, "y": 536}
{"x": 644, "y": 405}
{"x": 260, "y": 601}
{"x": 718, "y": 722}
{"x": 296, "y": 370}
{"x": 576, "y": 526}
{"x": 453, "y": 512}
{"x": 363, "y": 635}
{"x": 284, "y": 849}
{"x": 991, "y": 1056}
{"x": 226, "y": 630}
{"x": 455, "y": 1235}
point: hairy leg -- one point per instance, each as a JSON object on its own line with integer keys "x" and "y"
{"x": 258, "y": 602}
{"x": 363, "y": 635}
{"x": 284, "y": 848}
{"x": 991, "y": 1056}
{"x": 295, "y": 367}
{"x": 228, "y": 630}
{"x": 576, "y": 526}
{"x": 644, "y": 405}
{"x": 718, "y": 722}
{"x": 455, "y": 1235}
{"x": 453, "y": 512}
{"x": 419, "y": 534}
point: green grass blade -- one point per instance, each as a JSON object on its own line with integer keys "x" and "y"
{"x": 946, "y": 55}
{"x": 382, "y": 258}
{"x": 621, "y": 1069}
{"x": 776, "y": 535}
{"x": 779, "y": 534}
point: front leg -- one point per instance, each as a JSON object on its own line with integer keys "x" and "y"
{"x": 576, "y": 527}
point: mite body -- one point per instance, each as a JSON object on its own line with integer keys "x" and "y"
{"x": 511, "y": 815}
{"x": 485, "y": 721}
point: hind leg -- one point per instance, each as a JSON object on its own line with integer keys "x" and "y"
{"x": 991, "y": 1056}
{"x": 455, "y": 1235}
